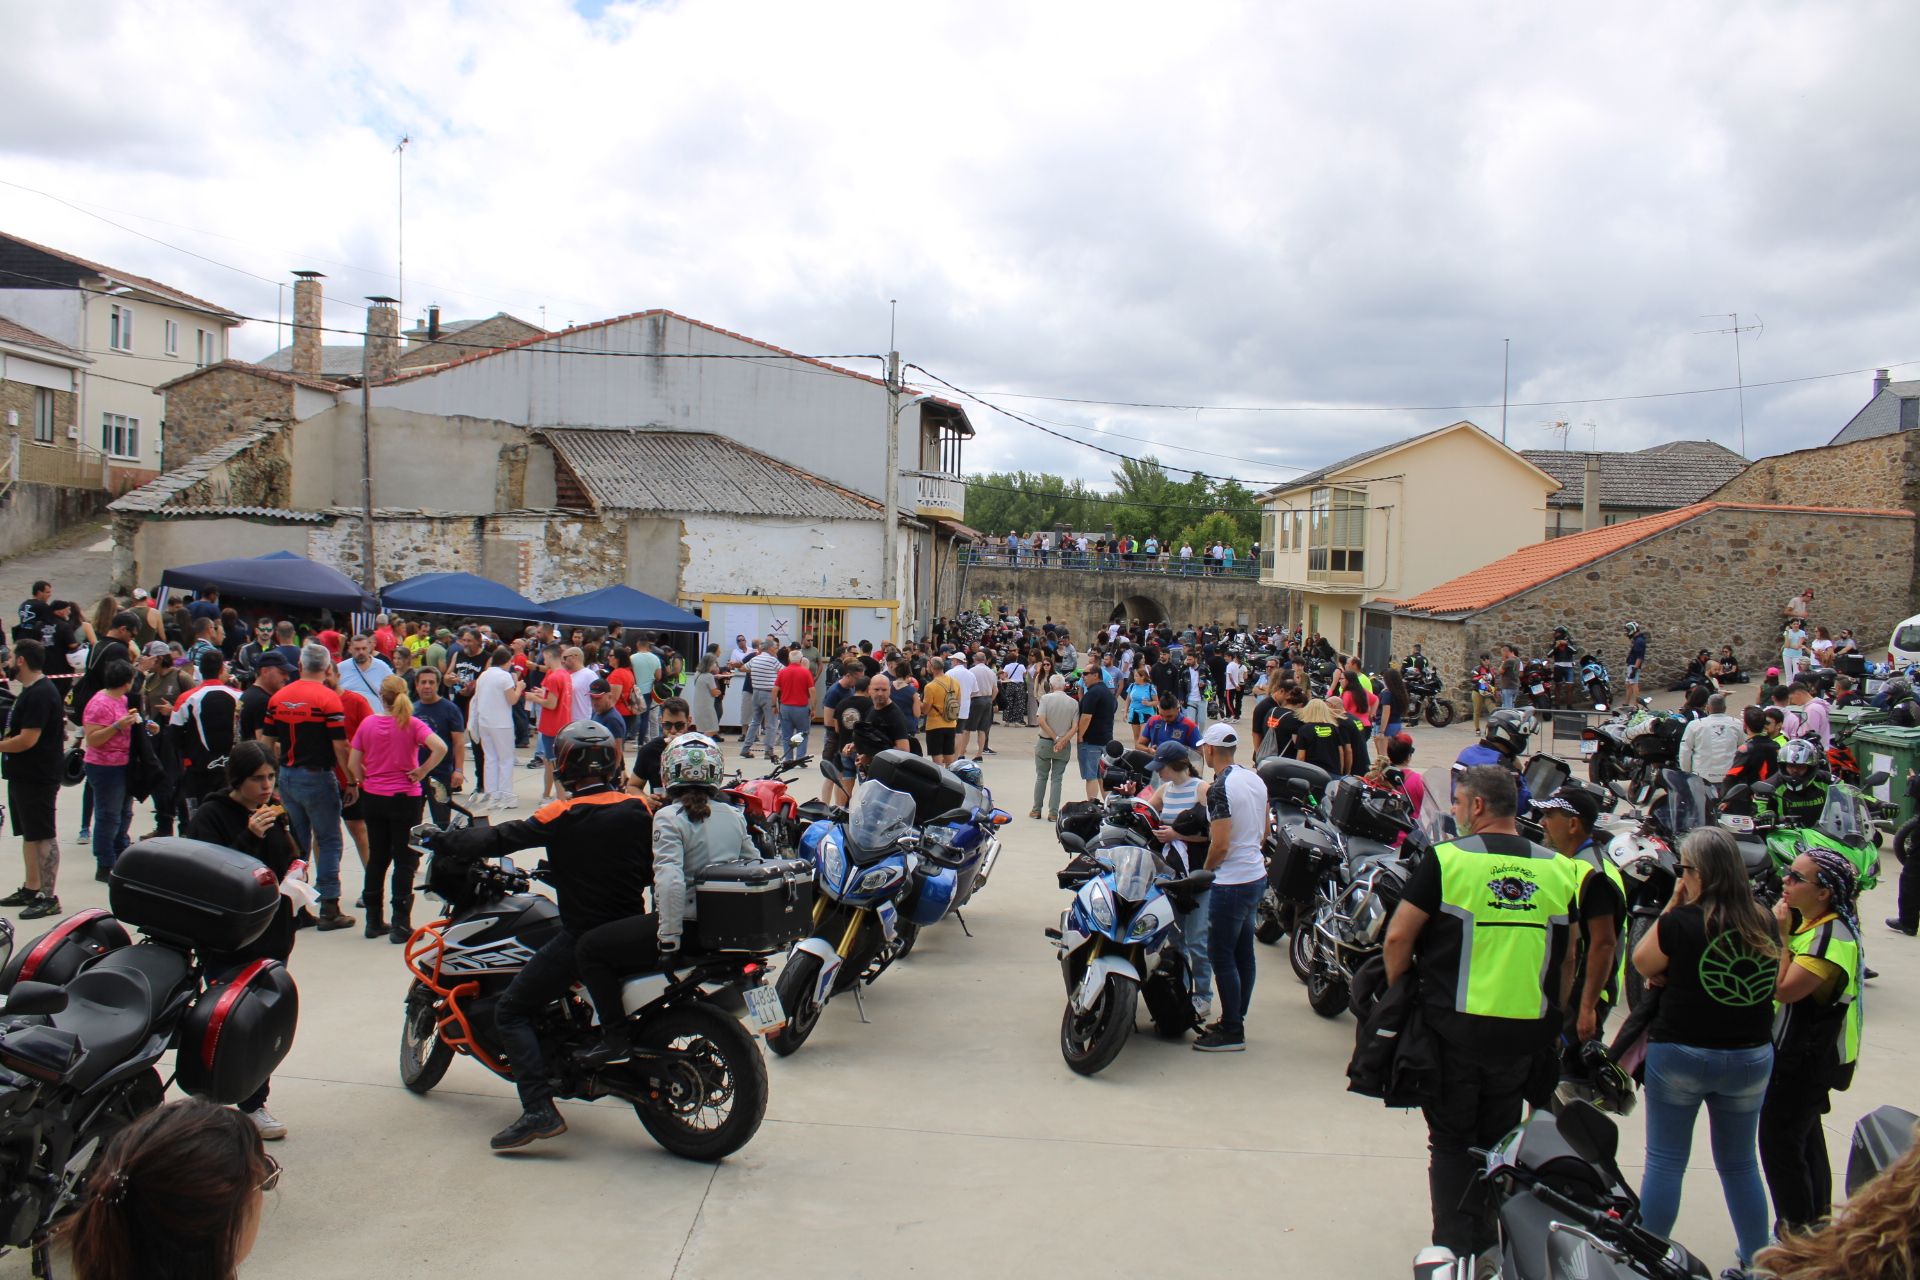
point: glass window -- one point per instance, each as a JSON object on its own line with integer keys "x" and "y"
{"x": 119, "y": 435}
{"x": 1337, "y": 531}
{"x": 120, "y": 329}
{"x": 173, "y": 337}
{"x": 42, "y": 416}
{"x": 206, "y": 348}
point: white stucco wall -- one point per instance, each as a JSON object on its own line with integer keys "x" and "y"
{"x": 743, "y": 555}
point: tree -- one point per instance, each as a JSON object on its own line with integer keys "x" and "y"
{"x": 1147, "y": 501}
{"x": 1203, "y": 533}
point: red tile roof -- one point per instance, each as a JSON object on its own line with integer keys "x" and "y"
{"x": 1531, "y": 566}
{"x": 271, "y": 375}
{"x": 125, "y": 276}
{"x": 20, "y": 335}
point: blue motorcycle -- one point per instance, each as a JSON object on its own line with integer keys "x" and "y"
{"x": 1595, "y": 682}
{"x": 863, "y": 867}
{"x": 958, "y": 846}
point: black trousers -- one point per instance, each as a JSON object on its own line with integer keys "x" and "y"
{"x": 609, "y": 955}
{"x": 1793, "y": 1148}
{"x": 547, "y": 977}
{"x": 389, "y": 820}
{"x": 1481, "y": 1103}
{"x": 1909, "y": 908}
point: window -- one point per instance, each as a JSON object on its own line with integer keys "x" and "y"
{"x": 827, "y": 626}
{"x": 206, "y": 348}
{"x": 120, "y": 329}
{"x": 42, "y": 416}
{"x": 1281, "y": 524}
{"x": 119, "y": 435}
{"x": 1299, "y": 531}
{"x": 172, "y": 336}
{"x": 1337, "y": 532}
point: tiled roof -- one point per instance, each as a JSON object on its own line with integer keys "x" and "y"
{"x": 258, "y": 371}
{"x": 1655, "y": 479}
{"x": 1394, "y": 446}
{"x": 448, "y": 328}
{"x": 21, "y": 336}
{"x": 154, "y": 495}
{"x": 125, "y": 277}
{"x": 1542, "y": 562}
{"x": 337, "y": 360}
{"x": 281, "y": 514}
{"x": 694, "y": 471}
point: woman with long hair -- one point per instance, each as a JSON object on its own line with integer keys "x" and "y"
{"x": 1717, "y": 952}
{"x": 1875, "y": 1236}
{"x": 177, "y": 1195}
{"x": 107, "y": 727}
{"x": 386, "y": 763}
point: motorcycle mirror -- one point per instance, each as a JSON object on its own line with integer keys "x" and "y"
{"x": 1873, "y": 779}
{"x": 1114, "y": 750}
{"x": 34, "y": 997}
{"x": 1764, "y": 788}
{"x": 506, "y": 865}
{"x": 1593, "y": 1137}
{"x": 1734, "y": 793}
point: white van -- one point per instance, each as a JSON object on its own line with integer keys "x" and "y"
{"x": 1904, "y": 647}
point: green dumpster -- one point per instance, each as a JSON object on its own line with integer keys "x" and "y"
{"x": 1848, "y": 721}
{"x": 1895, "y": 750}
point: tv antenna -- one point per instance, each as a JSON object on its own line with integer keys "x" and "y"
{"x": 1735, "y": 328}
{"x": 1560, "y": 429}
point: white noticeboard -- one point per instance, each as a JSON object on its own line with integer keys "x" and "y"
{"x": 1882, "y": 763}
{"x": 741, "y": 620}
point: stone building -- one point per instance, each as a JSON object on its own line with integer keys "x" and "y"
{"x": 40, "y": 399}
{"x": 1712, "y": 574}
{"x": 435, "y": 342}
{"x": 223, "y": 401}
{"x": 1662, "y": 477}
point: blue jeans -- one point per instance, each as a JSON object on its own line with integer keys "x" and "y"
{"x": 794, "y": 720}
{"x": 112, "y": 811}
{"x": 1193, "y": 940}
{"x": 1090, "y": 760}
{"x": 1230, "y": 949}
{"x": 1507, "y": 698}
{"x": 1732, "y": 1083}
{"x": 312, "y": 798}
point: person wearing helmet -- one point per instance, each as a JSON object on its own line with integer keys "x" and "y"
{"x": 1636, "y": 658}
{"x": 596, "y": 837}
{"x": 1801, "y": 790}
{"x": 1504, "y": 740}
{"x": 689, "y": 833}
{"x": 1563, "y": 658}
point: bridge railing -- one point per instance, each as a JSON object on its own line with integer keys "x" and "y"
{"x": 991, "y": 557}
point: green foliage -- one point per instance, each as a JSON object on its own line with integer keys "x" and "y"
{"x": 1146, "y": 501}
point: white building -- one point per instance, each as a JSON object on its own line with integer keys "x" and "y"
{"x": 138, "y": 333}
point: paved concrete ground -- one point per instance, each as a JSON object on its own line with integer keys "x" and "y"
{"x": 946, "y": 1138}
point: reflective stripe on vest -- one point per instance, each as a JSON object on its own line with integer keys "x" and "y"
{"x": 1507, "y": 906}
{"x": 1835, "y": 943}
{"x": 1592, "y": 858}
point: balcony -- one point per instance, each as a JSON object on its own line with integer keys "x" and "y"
{"x": 937, "y": 494}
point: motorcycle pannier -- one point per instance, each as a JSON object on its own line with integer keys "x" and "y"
{"x": 237, "y": 1032}
{"x": 58, "y": 955}
{"x": 758, "y": 905}
{"x": 1660, "y": 740}
{"x": 206, "y": 895}
{"x": 1296, "y": 852}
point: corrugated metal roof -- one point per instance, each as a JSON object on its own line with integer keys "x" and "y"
{"x": 1655, "y": 479}
{"x": 696, "y": 471}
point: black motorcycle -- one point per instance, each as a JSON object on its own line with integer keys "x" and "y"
{"x": 1424, "y": 700}
{"x": 1356, "y": 885}
{"x": 89, "y": 1013}
{"x": 695, "y": 1078}
{"x": 1294, "y": 788}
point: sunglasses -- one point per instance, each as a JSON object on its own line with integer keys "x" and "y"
{"x": 1794, "y": 877}
{"x": 673, "y": 724}
{"x": 272, "y": 1179}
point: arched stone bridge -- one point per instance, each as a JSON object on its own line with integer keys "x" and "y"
{"x": 1087, "y": 599}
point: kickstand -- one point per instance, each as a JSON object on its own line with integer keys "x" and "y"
{"x": 963, "y": 924}
{"x": 860, "y": 1003}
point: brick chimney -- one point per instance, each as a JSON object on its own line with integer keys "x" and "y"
{"x": 1879, "y": 381}
{"x": 1590, "y": 494}
{"x": 306, "y": 323}
{"x": 383, "y": 338}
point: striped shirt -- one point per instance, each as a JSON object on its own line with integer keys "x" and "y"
{"x": 765, "y": 669}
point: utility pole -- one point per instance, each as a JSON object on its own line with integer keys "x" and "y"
{"x": 889, "y": 489}
{"x": 1506, "y": 364}
{"x": 1739, "y": 375}
{"x": 369, "y": 576}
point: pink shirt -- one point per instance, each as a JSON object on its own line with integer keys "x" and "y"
{"x": 389, "y": 753}
{"x": 105, "y": 708}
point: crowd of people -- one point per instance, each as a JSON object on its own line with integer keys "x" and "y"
{"x": 1065, "y": 549}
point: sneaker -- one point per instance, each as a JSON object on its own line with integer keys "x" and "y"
{"x": 1033, "y": 813}
{"x": 537, "y": 762}
{"x": 979, "y": 759}
{"x": 506, "y": 804}
{"x": 19, "y": 897}
{"x": 1893, "y": 922}
{"x": 268, "y": 1125}
{"x": 42, "y": 906}
{"x": 1214, "y": 1040}
{"x": 530, "y": 1127}
{"x": 990, "y": 751}
{"x": 85, "y": 836}
{"x": 477, "y": 803}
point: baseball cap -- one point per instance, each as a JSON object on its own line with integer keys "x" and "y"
{"x": 140, "y": 593}
{"x": 1220, "y": 734}
{"x": 156, "y": 649}
{"x": 278, "y": 660}
{"x": 1170, "y": 752}
{"x": 1574, "y": 800}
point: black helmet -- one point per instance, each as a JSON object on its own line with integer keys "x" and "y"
{"x": 1508, "y": 730}
{"x": 1593, "y": 1076}
{"x": 585, "y": 752}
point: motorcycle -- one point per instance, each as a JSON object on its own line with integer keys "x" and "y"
{"x": 1294, "y": 788}
{"x": 1536, "y": 684}
{"x": 1115, "y": 942}
{"x": 1595, "y": 681}
{"x": 1845, "y": 825}
{"x": 1356, "y": 886}
{"x": 1646, "y": 854}
{"x": 863, "y": 866}
{"x": 695, "y": 1079}
{"x": 1564, "y": 1208}
{"x": 773, "y": 815}
{"x": 88, "y": 1014}
{"x": 956, "y": 821}
{"x": 1423, "y": 698}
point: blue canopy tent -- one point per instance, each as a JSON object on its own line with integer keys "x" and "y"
{"x": 630, "y": 608}
{"x": 279, "y": 578}
{"x": 463, "y": 595}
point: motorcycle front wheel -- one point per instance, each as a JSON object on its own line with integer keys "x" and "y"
{"x": 1090, "y": 1041}
{"x": 799, "y": 979}
{"x": 1300, "y": 949}
{"x": 906, "y": 933}
{"x": 716, "y": 1080}
{"x": 1637, "y": 928}
{"x": 1326, "y": 993}
{"x": 424, "y": 1056}
{"x": 1269, "y": 925}
{"x": 1440, "y": 713}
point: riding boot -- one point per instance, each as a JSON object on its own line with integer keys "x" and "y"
{"x": 332, "y": 917}
{"x": 376, "y": 925}
{"x": 615, "y": 1043}
{"x": 402, "y": 920}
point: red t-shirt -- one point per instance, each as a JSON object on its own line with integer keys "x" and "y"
{"x": 621, "y": 678}
{"x": 384, "y": 641}
{"x": 333, "y": 640}
{"x": 794, "y": 684}
{"x": 307, "y": 718}
{"x": 355, "y": 709}
{"x": 559, "y": 686}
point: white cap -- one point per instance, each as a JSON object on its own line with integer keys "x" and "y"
{"x": 1219, "y": 734}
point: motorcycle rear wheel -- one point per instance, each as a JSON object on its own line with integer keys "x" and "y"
{"x": 1269, "y": 926}
{"x": 1300, "y": 950}
{"x": 424, "y": 1056}
{"x": 731, "y": 1076}
{"x": 1440, "y": 713}
{"x": 1092, "y": 1040}
{"x": 799, "y": 978}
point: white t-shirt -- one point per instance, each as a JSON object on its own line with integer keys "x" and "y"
{"x": 1235, "y": 673}
{"x": 490, "y": 708}
{"x": 1239, "y": 794}
{"x": 582, "y": 694}
{"x": 985, "y": 683}
{"x": 964, "y": 680}
{"x": 1015, "y": 672}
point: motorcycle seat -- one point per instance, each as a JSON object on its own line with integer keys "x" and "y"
{"x": 165, "y": 969}
{"x": 1364, "y": 849}
{"x": 110, "y": 1011}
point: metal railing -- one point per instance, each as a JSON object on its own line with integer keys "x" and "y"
{"x": 992, "y": 557}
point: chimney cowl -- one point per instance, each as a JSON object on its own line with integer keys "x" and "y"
{"x": 433, "y": 323}
{"x": 1880, "y": 380}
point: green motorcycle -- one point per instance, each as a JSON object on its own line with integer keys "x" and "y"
{"x": 1846, "y": 825}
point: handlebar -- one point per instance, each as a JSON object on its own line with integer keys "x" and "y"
{"x": 1610, "y": 1227}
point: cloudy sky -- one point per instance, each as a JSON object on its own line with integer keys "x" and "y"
{"x": 1221, "y": 205}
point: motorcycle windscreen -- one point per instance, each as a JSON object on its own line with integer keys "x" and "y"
{"x": 1844, "y": 817}
{"x": 878, "y": 817}
{"x": 1132, "y": 873}
{"x": 1686, "y": 801}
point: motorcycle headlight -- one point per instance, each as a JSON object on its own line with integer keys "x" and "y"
{"x": 1100, "y": 902}
{"x": 833, "y": 860}
{"x": 1143, "y": 926}
{"x": 877, "y": 879}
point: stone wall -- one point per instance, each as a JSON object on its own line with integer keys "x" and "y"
{"x": 1085, "y": 600}
{"x": 542, "y": 557}
{"x": 496, "y": 331}
{"x": 31, "y": 513}
{"x": 19, "y": 398}
{"x": 217, "y": 406}
{"x": 1879, "y": 473}
{"x": 1715, "y": 580}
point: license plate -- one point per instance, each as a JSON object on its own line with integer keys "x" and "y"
{"x": 1539, "y": 688}
{"x": 1736, "y": 822}
{"x": 1589, "y": 748}
{"x": 763, "y": 1006}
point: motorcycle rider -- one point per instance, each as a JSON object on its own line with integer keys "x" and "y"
{"x": 691, "y": 832}
{"x": 596, "y": 837}
{"x": 1562, "y": 659}
{"x": 1493, "y": 996}
{"x": 1802, "y": 790}
{"x": 1505, "y": 738}
{"x": 1416, "y": 663}
{"x": 1568, "y": 816}
{"x": 1636, "y": 658}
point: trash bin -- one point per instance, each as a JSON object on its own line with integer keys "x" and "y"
{"x": 1848, "y": 721}
{"x": 1892, "y": 749}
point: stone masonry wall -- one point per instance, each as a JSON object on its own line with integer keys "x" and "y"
{"x": 1868, "y": 473}
{"x": 498, "y": 331}
{"x": 1085, "y": 600}
{"x": 557, "y": 555}
{"x": 217, "y": 406}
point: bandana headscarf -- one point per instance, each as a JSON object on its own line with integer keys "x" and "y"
{"x": 1834, "y": 873}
